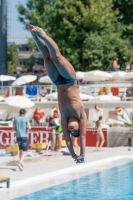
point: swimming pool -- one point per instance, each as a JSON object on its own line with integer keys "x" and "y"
{"x": 111, "y": 184}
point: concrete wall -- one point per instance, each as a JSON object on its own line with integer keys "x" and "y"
{"x": 118, "y": 136}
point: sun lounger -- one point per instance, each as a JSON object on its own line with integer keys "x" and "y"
{"x": 6, "y": 123}
{"x": 5, "y": 179}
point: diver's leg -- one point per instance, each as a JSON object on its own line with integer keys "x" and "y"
{"x": 50, "y": 67}
{"x": 64, "y": 68}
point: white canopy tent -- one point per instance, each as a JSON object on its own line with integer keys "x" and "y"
{"x": 45, "y": 79}
{"x": 120, "y": 75}
{"x": 19, "y": 102}
{"x": 97, "y": 75}
{"x": 80, "y": 75}
{"x": 24, "y": 79}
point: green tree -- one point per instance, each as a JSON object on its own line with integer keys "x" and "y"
{"x": 125, "y": 8}
{"x": 101, "y": 49}
{"x": 125, "y": 16}
{"x": 12, "y": 57}
{"x": 80, "y": 27}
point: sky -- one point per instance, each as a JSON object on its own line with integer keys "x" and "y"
{"x": 16, "y": 31}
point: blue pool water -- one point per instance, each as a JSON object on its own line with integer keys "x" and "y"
{"x": 112, "y": 184}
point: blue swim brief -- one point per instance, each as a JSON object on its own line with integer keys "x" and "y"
{"x": 61, "y": 80}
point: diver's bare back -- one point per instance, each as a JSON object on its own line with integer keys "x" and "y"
{"x": 70, "y": 103}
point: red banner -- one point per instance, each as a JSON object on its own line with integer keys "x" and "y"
{"x": 41, "y": 134}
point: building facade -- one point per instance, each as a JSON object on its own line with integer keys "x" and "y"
{"x": 25, "y": 53}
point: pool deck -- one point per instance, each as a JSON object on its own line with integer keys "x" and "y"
{"x": 48, "y": 169}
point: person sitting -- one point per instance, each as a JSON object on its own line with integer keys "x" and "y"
{"x": 36, "y": 68}
{"x": 127, "y": 64}
{"x": 115, "y": 66}
{"x": 42, "y": 92}
{"x": 128, "y": 92}
{"x": 43, "y": 69}
{"x": 103, "y": 91}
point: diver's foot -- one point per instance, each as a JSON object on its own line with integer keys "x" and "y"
{"x": 75, "y": 156}
{"x": 80, "y": 160}
{"x": 30, "y": 29}
{"x": 35, "y": 30}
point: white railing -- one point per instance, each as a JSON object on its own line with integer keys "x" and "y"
{"x": 90, "y": 89}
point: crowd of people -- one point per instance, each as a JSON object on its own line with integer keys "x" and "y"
{"x": 116, "y": 67}
{"x": 37, "y": 69}
{"x": 53, "y": 127}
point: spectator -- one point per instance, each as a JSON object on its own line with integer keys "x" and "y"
{"x": 21, "y": 125}
{"x": 38, "y": 115}
{"x": 36, "y": 68}
{"x": 44, "y": 71}
{"x": 58, "y": 131}
{"x": 103, "y": 90}
{"x": 99, "y": 134}
{"x": 115, "y": 66}
{"x": 128, "y": 93}
{"x": 127, "y": 64}
{"x": 54, "y": 111}
{"x": 42, "y": 92}
{"x": 52, "y": 133}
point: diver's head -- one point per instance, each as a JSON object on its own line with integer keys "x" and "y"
{"x": 73, "y": 126}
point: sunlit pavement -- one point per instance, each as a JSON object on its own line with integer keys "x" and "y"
{"x": 41, "y": 164}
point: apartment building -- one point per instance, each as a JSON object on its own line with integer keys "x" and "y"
{"x": 24, "y": 53}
